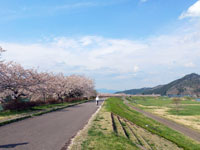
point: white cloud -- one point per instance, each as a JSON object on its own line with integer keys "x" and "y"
{"x": 109, "y": 58}
{"x": 193, "y": 11}
{"x": 190, "y": 65}
{"x": 136, "y": 68}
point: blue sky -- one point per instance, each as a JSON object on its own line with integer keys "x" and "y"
{"x": 110, "y": 18}
{"x": 121, "y": 44}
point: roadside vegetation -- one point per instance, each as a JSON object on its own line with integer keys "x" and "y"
{"x": 10, "y": 114}
{"x": 185, "y": 111}
{"x": 118, "y": 127}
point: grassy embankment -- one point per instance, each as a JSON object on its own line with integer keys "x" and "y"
{"x": 101, "y": 136}
{"x": 128, "y": 129}
{"x": 187, "y": 112}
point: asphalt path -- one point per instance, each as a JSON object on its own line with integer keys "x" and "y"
{"x": 171, "y": 124}
{"x": 50, "y": 131}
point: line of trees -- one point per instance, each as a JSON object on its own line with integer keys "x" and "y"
{"x": 18, "y": 83}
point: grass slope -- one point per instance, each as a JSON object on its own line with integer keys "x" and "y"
{"x": 101, "y": 136}
{"x": 116, "y": 106}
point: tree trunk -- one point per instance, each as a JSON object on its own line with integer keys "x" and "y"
{"x": 44, "y": 97}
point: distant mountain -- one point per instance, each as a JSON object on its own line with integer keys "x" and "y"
{"x": 188, "y": 85}
{"x": 106, "y": 91}
{"x": 135, "y": 91}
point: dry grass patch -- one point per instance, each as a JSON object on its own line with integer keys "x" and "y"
{"x": 120, "y": 130}
{"x": 190, "y": 121}
{"x": 2, "y": 118}
{"x": 152, "y": 141}
{"x": 144, "y": 139}
{"x": 187, "y": 112}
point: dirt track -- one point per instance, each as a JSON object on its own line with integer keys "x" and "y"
{"x": 180, "y": 128}
{"x": 47, "y": 132}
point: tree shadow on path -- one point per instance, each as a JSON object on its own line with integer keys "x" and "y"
{"x": 13, "y": 145}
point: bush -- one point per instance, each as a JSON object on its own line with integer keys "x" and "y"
{"x": 21, "y": 105}
{"x": 74, "y": 99}
{"x": 52, "y": 101}
{"x": 24, "y": 105}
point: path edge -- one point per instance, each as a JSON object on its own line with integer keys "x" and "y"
{"x": 74, "y": 140}
{"x": 40, "y": 113}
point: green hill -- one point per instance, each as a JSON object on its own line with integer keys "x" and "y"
{"x": 188, "y": 85}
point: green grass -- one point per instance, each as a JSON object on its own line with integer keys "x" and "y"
{"x": 42, "y": 107}
{"x": 186, "y": 110}
{"x": 158, "y": 101}
{"x": 47, "y": 107}
{"x": 117, "y": 106}
{"x": 151, "y": 101}
{"x": 99, "y": 138}
{"x": 106, "y": 142}
{"x": 185, "y": 107}
{"x": 190, "y": 102}
{"x": 8, "y": 113}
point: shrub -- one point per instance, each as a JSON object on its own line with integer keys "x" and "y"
{"x": 21, "y": 105}
{"x": 53, "y": 101}
{"x": 74, "y": 99}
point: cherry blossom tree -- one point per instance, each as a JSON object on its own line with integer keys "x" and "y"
{"x": 80, "y": 86}
{"x": 58, "y": 87}
{"x": 44, "y": 89}
{"x": 17, "y": 82}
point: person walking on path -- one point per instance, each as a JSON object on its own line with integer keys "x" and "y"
{"x": 97, "y": 100}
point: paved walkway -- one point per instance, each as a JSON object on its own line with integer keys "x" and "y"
{"x": 180, "y": 128}
{"x": 46, "y": 132}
